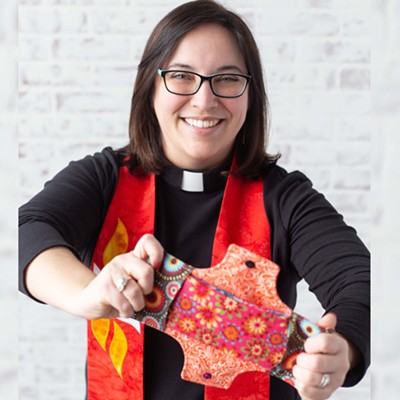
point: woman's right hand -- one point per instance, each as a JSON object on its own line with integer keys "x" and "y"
{"x": 58, "y": 278}
{"x": 102, "y": 299}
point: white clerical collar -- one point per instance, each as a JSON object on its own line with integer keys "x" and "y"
{"x": 196, "y": 181}
{"x": 192, "y": 181}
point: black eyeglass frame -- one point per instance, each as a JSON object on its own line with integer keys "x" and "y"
{"x": 163, "y": 72}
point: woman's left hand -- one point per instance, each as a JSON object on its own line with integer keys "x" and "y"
{"x": 322, "y": 368}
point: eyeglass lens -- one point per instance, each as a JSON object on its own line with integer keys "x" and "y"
{"x": 226, "y": 85}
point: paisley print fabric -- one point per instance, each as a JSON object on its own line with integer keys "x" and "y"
{"x": 248, "y": 276}
{"x": 213, "y": 326}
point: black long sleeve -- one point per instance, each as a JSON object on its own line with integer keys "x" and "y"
{"x": 69, "y": 211}
{"x": 310, "y": 240}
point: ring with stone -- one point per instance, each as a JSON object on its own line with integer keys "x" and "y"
{"x": 326, "y": 378}
{"x": 121, "y": 283}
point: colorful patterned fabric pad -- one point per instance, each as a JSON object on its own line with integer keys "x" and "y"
{"x": 168, "y": 281}
{"x": 228, "y": 319}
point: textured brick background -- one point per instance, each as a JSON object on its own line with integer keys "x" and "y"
{"x": 76, "y": 64}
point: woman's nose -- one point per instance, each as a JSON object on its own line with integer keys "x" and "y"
{"x": 204, "y": 99}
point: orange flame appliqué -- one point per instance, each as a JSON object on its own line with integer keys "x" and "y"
{"x": 118, "y": 243}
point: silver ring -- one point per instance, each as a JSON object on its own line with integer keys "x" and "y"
{"x": 326, "y": 378}
{"x": 121, "y": 283}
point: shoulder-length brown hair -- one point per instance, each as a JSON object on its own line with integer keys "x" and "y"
{"x": 145, "y": 146}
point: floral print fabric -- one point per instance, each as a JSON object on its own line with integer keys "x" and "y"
{"x": 215, "y": 320}
{"x": 207, "y": 315}
{"x": 228, "y": 319}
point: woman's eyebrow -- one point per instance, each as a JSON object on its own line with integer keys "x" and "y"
{"x": 179, "y": 65}
{"x": 229, "y": 68}
{"x": 223, "y": 68}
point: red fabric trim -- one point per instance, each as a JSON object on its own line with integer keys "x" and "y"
{"x": 247, "y": 386}
{"x": 103, "y": 379}
{"x": 134, "y": 204}
{"x": 242, "y": 221}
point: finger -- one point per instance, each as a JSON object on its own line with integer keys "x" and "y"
{"x": 310, "y": 378}
{"x": 128, "y": 301}
{"x": 128, "y": 265}
{"x": 320, "y": 363}
{"x": 131, "y": 277}
{"x": 312, "y": 392}
{"x": 134, "y": 295}
{"x": 324, "y": 352}
{"x": 315, "y": 365}
{"x": 123, "y": 306}
{"x": 308, "y": 384}
{"x": 325, "y": 343}
{"x": 328, "y": 321}
{"x": 149, "y": 248}
{"x": 141, "y": 272}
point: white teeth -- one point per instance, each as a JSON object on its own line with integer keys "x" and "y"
{"x": 201, "y": 124}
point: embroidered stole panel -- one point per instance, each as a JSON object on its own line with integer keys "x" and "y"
{"x": 115, "y": 347}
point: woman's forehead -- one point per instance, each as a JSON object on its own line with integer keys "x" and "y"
{"x": 208, "y": 45}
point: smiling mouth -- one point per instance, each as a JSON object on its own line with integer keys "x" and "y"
{"x": 197, "y": 123}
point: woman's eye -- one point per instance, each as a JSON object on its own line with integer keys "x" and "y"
{"x": 181, "y": 76}
{"x": 228, "y": 78}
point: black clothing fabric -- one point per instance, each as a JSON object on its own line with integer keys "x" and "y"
{"x": 309, "y": 240}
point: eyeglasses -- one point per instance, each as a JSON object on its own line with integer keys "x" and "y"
{"x": 186, "y": 83}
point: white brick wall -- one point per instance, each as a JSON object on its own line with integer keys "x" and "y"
{"x": 386, "y": 189}
{"x": 8, "y": 200}
{"x": 77, "y": 62}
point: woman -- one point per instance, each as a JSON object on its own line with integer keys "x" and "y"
{"x": 195, "y": 159}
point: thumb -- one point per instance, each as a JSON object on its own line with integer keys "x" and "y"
{"x": 149, "y": 249}
{"x": 328, "y": 321}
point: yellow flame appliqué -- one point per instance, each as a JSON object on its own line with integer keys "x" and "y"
{"x": 118, "y": 348}
{"x": 101, "y": 329}
{"x": 118, "y": 243}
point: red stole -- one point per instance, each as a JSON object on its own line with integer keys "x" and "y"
{"x": 115, "y": 347}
